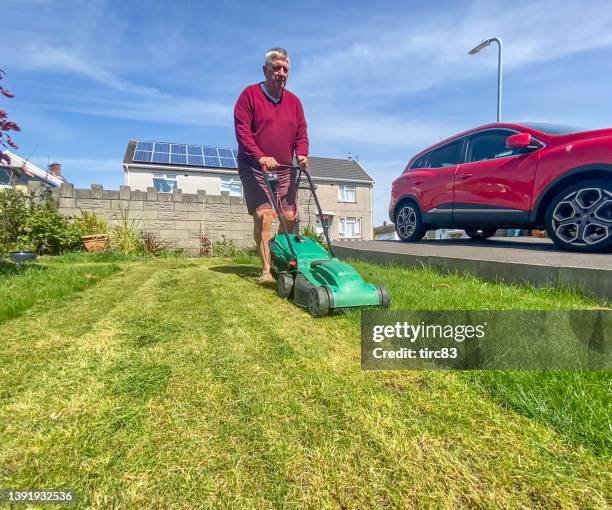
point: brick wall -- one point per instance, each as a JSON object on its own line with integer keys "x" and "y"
{"x": 175, "y": 217}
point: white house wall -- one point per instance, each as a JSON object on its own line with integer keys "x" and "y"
{"x": 189, "y": 182}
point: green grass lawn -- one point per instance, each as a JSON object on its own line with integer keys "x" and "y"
{"x": 182, "y": 384}
{"x": 23, "y": 286}
{"x": 577, "y": 404}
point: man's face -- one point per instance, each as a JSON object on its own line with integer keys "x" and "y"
{"x": 276, "y": 73}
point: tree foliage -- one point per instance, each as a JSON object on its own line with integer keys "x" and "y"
{"x": 6, "y": 126}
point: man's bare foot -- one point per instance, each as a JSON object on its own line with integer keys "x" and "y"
{"x": 266, "y": 279}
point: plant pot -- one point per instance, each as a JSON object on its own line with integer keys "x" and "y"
{"x": 22, "y": 256}
{"x": 95, "y": 243}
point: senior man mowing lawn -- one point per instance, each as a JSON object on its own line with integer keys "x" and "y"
{"x": 270, "y": 129}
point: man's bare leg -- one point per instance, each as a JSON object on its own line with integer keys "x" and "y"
{"x": 263, "y": 233}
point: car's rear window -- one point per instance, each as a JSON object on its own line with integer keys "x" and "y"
{"x": 553, "y": 129}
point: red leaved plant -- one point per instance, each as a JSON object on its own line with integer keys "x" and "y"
{"x": 6, "y": 126}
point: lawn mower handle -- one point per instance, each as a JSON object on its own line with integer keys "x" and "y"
{"x": 314, "y": 194}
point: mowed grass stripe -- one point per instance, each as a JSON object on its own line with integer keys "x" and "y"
{"x": 64, "y": 400}
{"x": 243, "y": 401}
{"x": 30, "y": 287}
{"x": 37, "y": 344}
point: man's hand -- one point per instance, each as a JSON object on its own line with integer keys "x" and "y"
{"x": 270, "y": 162}
{"x": 303, "y": 162}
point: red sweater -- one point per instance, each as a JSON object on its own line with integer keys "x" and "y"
{"x": 266, "y": 128}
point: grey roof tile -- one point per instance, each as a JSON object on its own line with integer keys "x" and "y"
{"x": 330, "y": 168}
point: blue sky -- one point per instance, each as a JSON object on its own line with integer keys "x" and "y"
{"x": 379, "y": 79}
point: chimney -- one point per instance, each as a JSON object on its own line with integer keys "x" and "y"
{"x": 55, "y": 169}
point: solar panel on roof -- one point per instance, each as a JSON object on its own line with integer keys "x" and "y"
{"x": 228, "y": 162}
{"x": 144, "y": 156}
{"x": 212, "y": 161}
{"x": 144, "y": 146}
{"x": 161, "y": 157}
{"x": 182, "y": 154}
{"x": 178, "y": 159}
{"x": 195, "y": 160}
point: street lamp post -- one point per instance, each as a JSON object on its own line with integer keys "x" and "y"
{"x": 482, "y": 45}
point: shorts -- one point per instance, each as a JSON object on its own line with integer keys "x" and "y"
{"x": 257, "y": 195}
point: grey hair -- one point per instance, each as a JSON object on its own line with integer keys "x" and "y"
{"x": 276, "y": 54}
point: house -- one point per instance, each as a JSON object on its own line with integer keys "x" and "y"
{"x": 385, "y": 232}
{"x": 344, "y": 188}
{"x": 21, "y": 171}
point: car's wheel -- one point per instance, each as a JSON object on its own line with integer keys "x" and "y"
{"x": 480, "y": 233}
{"x": 580, "y": 217}
{"x": 409, "y": 223}
{"x": 318, "y": 302}
{"x": 284, "y": 284}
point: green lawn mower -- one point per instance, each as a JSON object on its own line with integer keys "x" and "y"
{"x": 310, "y": 275}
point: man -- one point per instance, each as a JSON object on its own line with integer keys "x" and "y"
{"x": 270, "y": 129}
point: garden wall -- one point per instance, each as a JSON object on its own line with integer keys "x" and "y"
{"x": 181, "y": 219}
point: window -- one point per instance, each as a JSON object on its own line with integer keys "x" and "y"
{"x": 421, "y": 161}
{"x": 490, "y": 145}
{"x": 346, "y": 193}
{"x": 447, "y": 155}
{"x": 164, "y": 183}
{"x": 349, "y": 228}
{"x": 233, "y": 185}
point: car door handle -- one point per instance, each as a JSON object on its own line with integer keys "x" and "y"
{"x": 463, "y": 177}
{"x": 418, "y": 181}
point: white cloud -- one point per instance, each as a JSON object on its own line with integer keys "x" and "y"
{"x": 393, "y": 60}
{"x": 163, "y": 109}
{"x": 36, "y": 57}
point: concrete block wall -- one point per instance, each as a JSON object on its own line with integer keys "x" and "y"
{"x": 179, "y": 218}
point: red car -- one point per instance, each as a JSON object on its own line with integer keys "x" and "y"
{"x": 527, "y": 176}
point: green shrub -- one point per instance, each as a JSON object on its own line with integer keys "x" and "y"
{"x": 49, "y": 231}
{"x": 224, "y": 248}
{"x": 20, "y": 246}
{"x": 13, "y": 213}
{"x": 34, "y": 224}
{"x": 310, "y": 232}
{"x": 126, "y": 237}
{"x": 90, "y": 224}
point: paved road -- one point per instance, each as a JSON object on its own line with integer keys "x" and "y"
{"x": 525, "y": 250}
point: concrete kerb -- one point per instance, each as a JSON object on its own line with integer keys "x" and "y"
{"x": 592, "y": 282}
